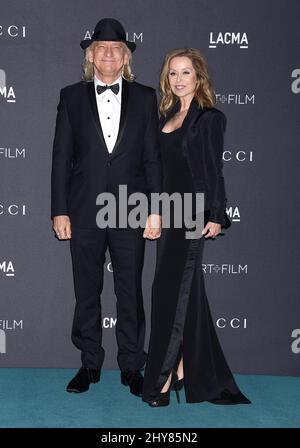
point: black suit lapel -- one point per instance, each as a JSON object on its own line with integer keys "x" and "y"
{"x": 93, "y": 104}
{"x": 193, "y": 114}
{"x": 124, "y": 114}
{"x": 164, "y": 118}
{"x": 189, "y": 123}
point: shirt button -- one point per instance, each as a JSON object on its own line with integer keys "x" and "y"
{"x": 108, "y": 101}
{"x": 108, "y": 136}
{"x": 108, "y": 163}
{"x": 108, "y": 118}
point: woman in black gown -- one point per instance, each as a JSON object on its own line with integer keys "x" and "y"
{"x": 184, "y": 348}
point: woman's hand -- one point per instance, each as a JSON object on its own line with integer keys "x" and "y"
{"x": 153, "y": 227}
{"x": 212, "y": 228}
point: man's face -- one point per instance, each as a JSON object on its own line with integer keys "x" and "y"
{"x": 108, "y": 58}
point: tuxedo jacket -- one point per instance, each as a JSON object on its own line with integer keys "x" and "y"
{"x": 82, "y": 167}
{"x": 203, "y": 145}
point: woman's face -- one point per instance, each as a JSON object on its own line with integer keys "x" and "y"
{"x": 182, "y": 76}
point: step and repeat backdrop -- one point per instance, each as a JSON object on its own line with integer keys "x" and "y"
{"x": 252, "y": 272}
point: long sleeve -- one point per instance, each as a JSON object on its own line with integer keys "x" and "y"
{"x": 214, "y": 144}
{"x": 61, "y": 160}
{"x": 152, "y": 156}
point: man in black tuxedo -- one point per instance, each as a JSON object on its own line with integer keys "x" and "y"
{"x": 106, "y": 135}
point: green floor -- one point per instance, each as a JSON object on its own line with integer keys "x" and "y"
{"x": 36, "y": 398}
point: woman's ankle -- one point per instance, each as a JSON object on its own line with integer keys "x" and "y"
{"x": 180, "y": 374}
{"x": 166, "y": 386}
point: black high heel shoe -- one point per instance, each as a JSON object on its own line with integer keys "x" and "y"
{"x": 163, "y": 399}
{"x": 178, "y": 384}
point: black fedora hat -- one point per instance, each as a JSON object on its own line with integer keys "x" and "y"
{"x": 110, "y": 30}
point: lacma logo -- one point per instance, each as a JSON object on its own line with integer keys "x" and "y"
{"x": 7, "y": 92}
{"x": 7, "y": 268}
{"x": 109, "y": 322}
{"x": 234, "y": 214}
{"x": 238, "y": 39}
{"x": 2, "y": 342}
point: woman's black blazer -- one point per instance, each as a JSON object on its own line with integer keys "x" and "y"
{"x": 203, "y": 143}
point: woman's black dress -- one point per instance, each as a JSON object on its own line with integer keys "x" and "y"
{"x": 181, "y": 321}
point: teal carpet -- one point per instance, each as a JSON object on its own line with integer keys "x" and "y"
{"x": 36, "y": 398}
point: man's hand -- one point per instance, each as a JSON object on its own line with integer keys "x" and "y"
{"x": 213, "y": 229}
{"x": 153, "y": 227}
{"x": 62, "y": 227}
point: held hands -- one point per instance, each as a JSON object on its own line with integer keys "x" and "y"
{"x": 62, "y": 227}
{"x": 213, "y": 230}
{"x": 153, "y": 227}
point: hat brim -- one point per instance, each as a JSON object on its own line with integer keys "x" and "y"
{"x": 87, "y": 42}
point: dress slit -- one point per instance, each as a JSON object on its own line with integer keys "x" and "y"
{"x": 175, "y": 346}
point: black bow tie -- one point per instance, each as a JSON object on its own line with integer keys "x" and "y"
{"x": 115, "y": 88}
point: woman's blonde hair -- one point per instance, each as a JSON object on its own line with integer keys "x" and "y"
{"x": 204, "y": 94}
{"x": 88, "y": 67}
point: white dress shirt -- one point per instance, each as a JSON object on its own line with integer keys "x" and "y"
{"x": 109, "y": 110}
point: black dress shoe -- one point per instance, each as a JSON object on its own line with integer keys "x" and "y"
{"x": 82, "y": 379}
{"x": 133, "y": 379}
